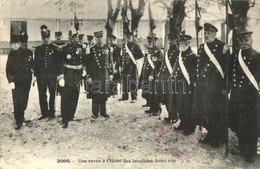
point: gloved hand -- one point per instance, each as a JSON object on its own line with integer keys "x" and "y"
{"x": 12, "y": 85}
{"x": 62, "y": 82}
{"x": 150, "y": 78}
{"x": 84, "y": 73}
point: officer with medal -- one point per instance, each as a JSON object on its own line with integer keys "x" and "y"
{"x": 184, "y": 75}
{"x": 19, "y": 68}
{"x": 165, "y": 71}
{"x": 116, "y": 51}
{"x": 100, "y": 73}
{"x": 131, "y": 53}
{"x": 209, "y": 95}
{"x": 70, "y": 78}
{"x": 151, "y": 66}
{"x": 244, "y": 107}
{"x": 46, "y": 70}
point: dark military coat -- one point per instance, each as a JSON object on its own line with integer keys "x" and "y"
{"x": 209, "y": 100}
{"x": 73, "y": 56}
{"x": 128, "y": 67}
{"x": 58, "y": 46}
{"x": 116, "y": 60}
{"x": 147, "y": 70}
{"x": 19, "y": 66}
{"x": 244, "y": 100}
{"x": 45, "y": 61}
{"x": 163, "y": 76}
{"x": 99, "y": 67}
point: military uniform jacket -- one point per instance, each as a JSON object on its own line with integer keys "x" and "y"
{"x": 99, "y": 67}
{"x": 58, "y": 46}
{"x": 245, "y": 99}
{"x": 45, "y": 61}
{"x": 190, "y": 62}
{"x": 74, "y": 61}
{"x": 19, "y": 65}
{"x": 116, "y": 51}
{"x": 127, "y": 64}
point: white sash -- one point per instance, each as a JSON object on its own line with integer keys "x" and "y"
{"x": 168, "y": 64}
{"x": 183, "y": 69}
{"x": 247, "y": 71}
{"x": 213, "y": 60}
{"x": 150, "y": 61}
{"x": 130, "y": 54}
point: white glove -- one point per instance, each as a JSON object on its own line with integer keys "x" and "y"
{"x": 12, "y": 85}
{"x": 84, "y": 73}
{"x": 150, "y": 78}
{"x": 62, "y": 82}
{"x": 89, "y": 80}
{"x": 110, "y": 77}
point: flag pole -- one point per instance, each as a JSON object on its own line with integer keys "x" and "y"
{"x": 227, "y": 80}
{"x": 196, "y": 22}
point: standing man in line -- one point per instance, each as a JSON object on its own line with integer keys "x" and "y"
{"x": 70, "y": 77}
{"x": 131, "y": 54}
{"x": 45, "y": 70}
{"x": 209, "y": 96}
{"x": 100, "y": 73}
{"x": 19, "y": 68}
{"x": 164, "y": 74}
{"x": 244, "y": 109}
{"x": 184, "y": 75}
{"x": 116, "y": 52}
{"x": 151, "y": 67}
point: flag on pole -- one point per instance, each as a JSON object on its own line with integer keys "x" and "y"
{"x": 151, "y": 19}
{"x": 178, "y": 15}
{"x": 198, "y": 19}
{"x": 125, "y": 19}
{"x": 76, "y": 22}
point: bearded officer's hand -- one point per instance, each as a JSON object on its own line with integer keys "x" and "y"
{"x": 84, "y": 73}
{"x": 12, "y": 85}
{"x": 226, "y": 48}
{"x": 150, "y": 78}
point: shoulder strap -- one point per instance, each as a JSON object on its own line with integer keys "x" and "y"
{"x": 150, "y": 61}
{"x": 213, "y": 60}
{"x": 130, "y": 54}
{"x": 247, "y": 71}
{"x": 183, "y": 69}
{"x": 167, "y": 61}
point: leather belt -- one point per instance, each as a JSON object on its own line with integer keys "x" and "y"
{"x": 75, "y": 67}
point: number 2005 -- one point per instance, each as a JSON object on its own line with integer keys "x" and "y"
{"x": 63, "y": 161}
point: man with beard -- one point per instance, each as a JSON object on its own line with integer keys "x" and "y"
{"x": 184, "y": 74}
{"x": 151, "y": 67}
{"x": 130, "y": 57}
{"x": 74, "y": 68}
{"x": 209, "y": 96}
{"x": 45, "y": 70}
{"x": 164, "y": 74}
{"x": 245, "y": 96}
{"x": 19, "y": 69}
{"x": 100, "y": 72}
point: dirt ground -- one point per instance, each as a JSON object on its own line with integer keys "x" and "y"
{"x": 129, "y": 139}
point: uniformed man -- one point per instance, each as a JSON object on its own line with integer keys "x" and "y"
{"x": 151, "y": 67}
{"x": 89, "y": 43}
{"x": 116, "y": 51}
{"x": 19, "y": 75}
{"x": 165, "y": 72}
{"x": 70, "y": 78}
{"x": 100, "y": 73}
{"x": 130, "y": 55}
{"x": 245, "y": 96}
{"x": 184, "y": 74}
{"x": 59, "y": 45}
{"x": 45, "y": 70}
{"x": 209, "y": 98}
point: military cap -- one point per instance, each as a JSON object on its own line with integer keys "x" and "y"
{"x": 81, "y": 36}
{"x": 173, "y": 35}
{"x": 90, "y": 37}
{"x": 112, "y": 36}
{"x": 73, "y": 32}
{"x": 246, "y": 34}
{"x": 152, "y": 35}
{"x": 210, "y": 27}
{"x": 98, "y": 34}
{"x": 185, "y": 38}
{"x": 59, "y": 33}
{"x": 23, "y": 37}
{"x": 128, "y": 33}
{"x": 45, "y": 32}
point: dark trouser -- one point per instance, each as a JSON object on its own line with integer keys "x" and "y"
{"x": 153, "y": 99}
{"x": 69, "y": 102}
{"x": 20, "y": 99}
{"x": 113, "y": 88}
{"x": 43, "y": 85}
{"x": 99, "y": 106}
{"x": 129, "y": 85}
